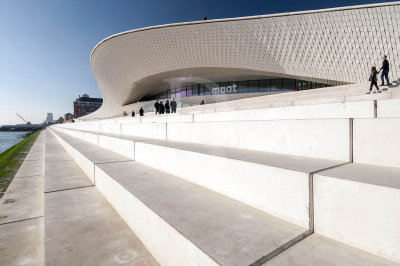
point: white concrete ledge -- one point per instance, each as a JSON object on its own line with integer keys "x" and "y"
{"x": 122, "y": 146}
{"x": 163, "y": 241}
{"x": 359, "y": 205}
{"x": 364, "y": 109}
{"x": 377, "y": 141}
{"x": 278, "y": 191}
{"x": 388, "y": 108}
{"x": 319, "y": 250}
{"x": 183, "y": 224}
{"x": 167, "y": 118}
{"x": 147, "y": 130}
{"x": 318, "y": 138}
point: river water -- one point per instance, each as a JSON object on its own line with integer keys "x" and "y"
{"x": 9, "y": 139}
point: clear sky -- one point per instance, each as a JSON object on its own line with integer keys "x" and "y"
{"x": 45, "y": 45}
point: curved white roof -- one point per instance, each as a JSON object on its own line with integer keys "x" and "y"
{"x": 333, "y": 46}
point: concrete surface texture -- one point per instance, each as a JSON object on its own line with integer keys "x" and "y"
{"x": 311, "y": 165}
{"x": 376, "y": 141}
{"x": 359, "y": 205}
{"x": 317, "y": 250}
{"x": 78, "y": 219}
{"x": 22, "y": 210}
{"x": 327, "y": 139}
{"x": 389, "y": 108}
{"x": 216, "y": 224}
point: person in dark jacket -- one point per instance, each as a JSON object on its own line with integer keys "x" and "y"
{"x": 173, "y": 106}
{"x": 373, "y": 79}
{"x": 157, "y": 106}
{"x": 133, "y": 113}
{"x": 385, "y": 71}
{"x": 141, "y": 111}
{"x": 167, "y": 107}
{"x": 162, "y": 108}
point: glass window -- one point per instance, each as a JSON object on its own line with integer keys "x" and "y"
{"x": 207, "y": 88}
{"x": 253, "y": 86}
{"x": 265, "y": 85}
{"x": 178, "y": 93}
{"x": 304, "y": 85}
{"x": 189, "y": 90}
{"x": 201, "y": 89}
{"x": 183, "y": 92}
{"x": 195, "y": 90}
{"x": 289, "y": 84}
{"x": 276, "y": 85}
{"x": 173, "y": 95}
{"x": 242, "y": 87}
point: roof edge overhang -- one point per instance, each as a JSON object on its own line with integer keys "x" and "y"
{"x": 246, "y": 18}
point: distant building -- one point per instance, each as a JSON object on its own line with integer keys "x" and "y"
{"x": 68, "y": 117}
{"x": 49, "y": 118}
{"x": 85, "y": 105}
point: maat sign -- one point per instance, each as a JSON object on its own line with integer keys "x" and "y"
{"x": 225, "y": 90}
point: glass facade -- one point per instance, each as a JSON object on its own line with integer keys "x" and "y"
{"x": 246, "y": 86}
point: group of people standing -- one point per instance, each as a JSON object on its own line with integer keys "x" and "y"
{"x": 168, "y": 107}
{"x": 374, "y": 73}
{"x": 141, "y": 112}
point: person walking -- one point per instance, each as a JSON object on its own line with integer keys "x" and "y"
{"x": 162, "y": 108}
{"x": 373, "y": 79}
{"x": 141, "y": 111}
{"x": 167, "y": 107}
{"x": 157, "y": 106}
{"x": 173, "y": 105}
{"x": 385, "y": 71}
{"x": 202, "y": 102}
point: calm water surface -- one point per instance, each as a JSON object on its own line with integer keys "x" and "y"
{"x": 9, "y": 139}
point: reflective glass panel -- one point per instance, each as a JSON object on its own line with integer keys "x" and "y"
{"x": 253, "y": 86}
{"x": 242, "y": 87}
{"x": 289, "y": 84}
{"x": 265, "y": 85}
{"x": 276, "y": 85}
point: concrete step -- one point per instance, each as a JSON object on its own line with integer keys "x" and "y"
{"x": 358, "y": 204}
{"x": 212, "y": 228}
{"x": 180, "y": 222}
{"x": 22, "y": 210}
{"x": 389, "y": 108}
{"x": 81, "y": 228}
{"x": 61, "y": 172}
{"x": 318, "y": 138}
{"x": 206, "y": 165}
{"x": 318, "y": 250}
{"x": 362, "y": 109}
{"x": 277, "y": 184}
{"x": 86, "y": 156}
{"x": 376, "y": 141}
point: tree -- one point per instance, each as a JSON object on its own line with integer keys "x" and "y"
{"x": 60, "y": 120}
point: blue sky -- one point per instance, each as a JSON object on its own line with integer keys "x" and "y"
{"x": 45, "y": 45}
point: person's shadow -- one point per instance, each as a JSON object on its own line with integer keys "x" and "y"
{"x": 393, "y": 84}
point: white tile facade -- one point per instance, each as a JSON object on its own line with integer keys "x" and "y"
{"x": 333, "y": 46}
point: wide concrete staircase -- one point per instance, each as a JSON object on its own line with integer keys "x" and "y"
{"x": 311, "y": 184}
